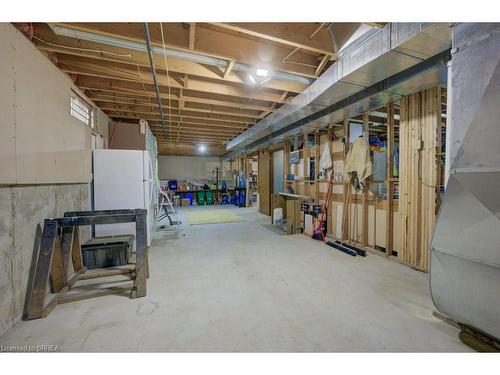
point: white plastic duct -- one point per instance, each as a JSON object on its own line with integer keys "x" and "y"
{"x": 373, "y": 57}
{"x": 169, "y": 52}
{"x": 465, "y": 249}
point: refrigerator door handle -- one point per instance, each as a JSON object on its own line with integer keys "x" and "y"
{"x": 150, "y": 179}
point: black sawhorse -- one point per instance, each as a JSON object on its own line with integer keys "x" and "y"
{"x": 60, "y": 243}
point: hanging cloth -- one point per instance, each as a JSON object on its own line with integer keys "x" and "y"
{"x": 325, "y": 161}
{"x": 358, "y": 165}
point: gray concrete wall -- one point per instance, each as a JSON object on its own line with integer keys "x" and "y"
{"x": 40, "y": 141}
{"x": 22, "y": 208}
{"x": 44, "y": 159}
{"x": 182, "y": 167}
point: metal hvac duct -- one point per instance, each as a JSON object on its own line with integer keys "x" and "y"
{"x": 375, "y": 56}
{"x": 465, "y": 249}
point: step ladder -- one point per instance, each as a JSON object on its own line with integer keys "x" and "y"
{"x": 167, "y": 210}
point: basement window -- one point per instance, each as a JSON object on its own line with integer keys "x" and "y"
{"x": 81, "y": 110}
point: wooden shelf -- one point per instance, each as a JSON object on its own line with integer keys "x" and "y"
{"x": 302, "y": 181}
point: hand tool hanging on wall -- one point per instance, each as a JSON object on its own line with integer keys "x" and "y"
{"x": 326, "y": 163}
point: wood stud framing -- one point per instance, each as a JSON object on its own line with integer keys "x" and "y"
{"x": 399, "y": 229}
{"x": 389, "y": 220}
{"x": 420, "y": 140}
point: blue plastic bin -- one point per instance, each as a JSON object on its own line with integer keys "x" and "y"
{"x": 189, "y": 196}
{"x": 172, "y": 185}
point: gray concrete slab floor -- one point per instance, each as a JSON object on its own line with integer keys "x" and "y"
{"x": 240, "y": 287}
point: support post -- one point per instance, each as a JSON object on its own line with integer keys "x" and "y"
{"x": 139, "y": 289}
{"x": 389, "y": 213}
{"x": 366, "y": 188}
{"x": 347, "y": 187}
{"x": 317, "y": 144}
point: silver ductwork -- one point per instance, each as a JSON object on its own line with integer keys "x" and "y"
{"x": 465, "y": 249}
{"x": 375, "y": 56}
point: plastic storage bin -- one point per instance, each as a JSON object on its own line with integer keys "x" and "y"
{"x": 200, "y": 198}
{"x": 110, "y": 251}
{"x": 210, "y": 197}
{"x": 172, "y": 185}
{"x": 190, "y": 197}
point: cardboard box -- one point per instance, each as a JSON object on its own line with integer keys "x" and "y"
{"x": 185, "y": 202}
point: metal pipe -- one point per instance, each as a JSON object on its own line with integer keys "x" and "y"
{"x": 153, "y": 70}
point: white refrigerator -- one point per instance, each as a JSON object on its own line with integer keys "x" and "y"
{"x": 123, "y": 179}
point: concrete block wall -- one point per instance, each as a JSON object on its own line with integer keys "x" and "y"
{"x": 22, "y": 208}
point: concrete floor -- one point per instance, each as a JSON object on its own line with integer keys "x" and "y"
{"x": 240, "y": 287}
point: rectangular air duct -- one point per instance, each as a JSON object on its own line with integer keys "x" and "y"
{"x": 375, "y": 56}
{"x": 465, "y": 250}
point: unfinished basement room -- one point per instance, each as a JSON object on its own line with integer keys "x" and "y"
{"x": 249, "y": 187}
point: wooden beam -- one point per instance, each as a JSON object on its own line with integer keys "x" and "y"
{"x": 136, "y": 89}
{"x": 157, "y": 118}
{"x": 126, "y": 73}
{"x": 188, "y": 148}
{"x": 178, "y": 66}
{"x": 366, "y": 189}
{"x": 321, "y": 65}
{"x": 201, "y": 129}
{"x": 176, "y": 112}
{"x": 113, "y": 100}
{"x": 389, "y": 218}
{"x": 224, "y": 134}
{"x": 198, "y": 128}
{"x": 282, "y": 34}
{"x": 229, "y": 68}
{"x": 346, "y": 187}
{"x": 209, "y": 42}
{"x": 192, "y": 33}
{"x": 199, "y": 138}
{"x": 190, "y": 138}
{"x": 181, "y": 101}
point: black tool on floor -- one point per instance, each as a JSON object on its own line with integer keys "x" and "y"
{"x": 356, "y": 249}
{"x": 342, "y": 248}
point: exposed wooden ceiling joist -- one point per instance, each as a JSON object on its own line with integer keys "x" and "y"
{"x": 139, "y": 91}
{"x": 293, "y": 35}
{"x": 209, "y": 42}
{"x": 131, "y": 115}
{"x": 103, "y": 101}
{"x": 202, "y": 103}
{"x": 143, "y": 76}
{"x": 236, "y": 121}
{"x": 173, "y": 102}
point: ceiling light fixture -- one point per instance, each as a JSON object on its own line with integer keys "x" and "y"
{"x": 202, "y": 148}
{"x": 262, "y": 72}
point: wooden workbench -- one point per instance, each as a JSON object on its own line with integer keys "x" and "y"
{"x": 291, "y": 205}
